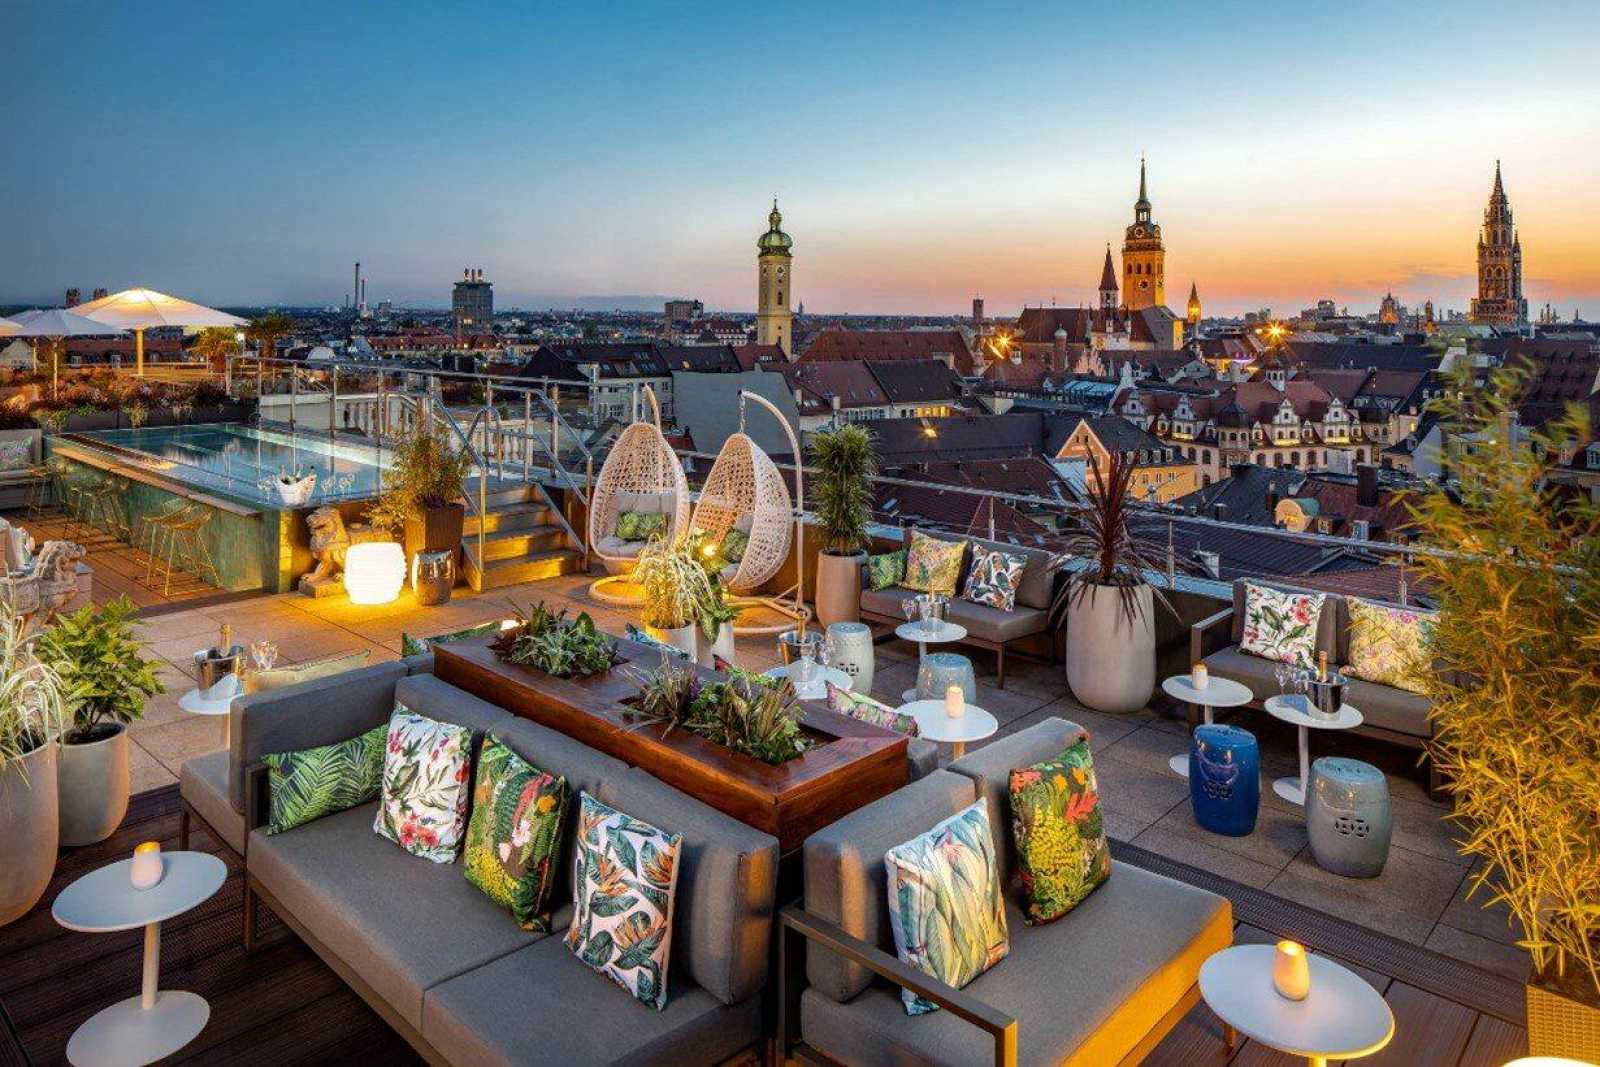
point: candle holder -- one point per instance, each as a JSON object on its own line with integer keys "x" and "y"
{"x": 1291, "y": 971}
{"x": 1199, "y": 676}
{"x": 146, "y": 869}
{"x": 955, "y": 702}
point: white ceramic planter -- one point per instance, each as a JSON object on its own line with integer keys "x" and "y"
{"x": 29, "y": 832}
{"x": 839, "y": 587}
{"x": 92, "y": 784}
{"x": 1111, "y": 666}
{"x": 684, "y": 637}
{"x": 709, "y": 650}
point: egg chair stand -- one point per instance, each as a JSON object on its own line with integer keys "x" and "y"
{"x": 640, "y": 470}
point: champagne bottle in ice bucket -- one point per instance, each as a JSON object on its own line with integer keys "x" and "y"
{"x": 1327, "y": 691}
{"x": 218, "y": 666}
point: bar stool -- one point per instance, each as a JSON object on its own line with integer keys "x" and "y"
{"x": 184, "y": 539}
{"x": 102, "y": 506}
{"x": 47, "y": 488}
{"x": 152, "y": 526}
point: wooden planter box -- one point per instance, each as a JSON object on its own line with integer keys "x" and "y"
{"x": 849, "y": 765}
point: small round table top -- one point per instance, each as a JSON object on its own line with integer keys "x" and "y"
{"x": 934, "y": 725}
{"x": 1218, "y": 693}
{"x": 820, "y": 676}
{"x": 104, "y": 900}
{"x": 1341, "y": 1018}
{"x": 1290, "y": 708}
{"x": 197, "y": 703}
{"x": 932, "y": 632}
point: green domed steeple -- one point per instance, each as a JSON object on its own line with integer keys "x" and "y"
{"x": 774, "y": 242}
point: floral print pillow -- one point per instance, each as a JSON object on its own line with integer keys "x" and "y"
{"x": 994, "y": 578}
{"x": 933, "y": 566}
{"x": 1281, "y": 626}
{"x": 624, "y": 875}
{"x": 886, "y": 571}
{"x": 945, "y": 903}
{"x": 16, "y": 455}
{"x": 424, "y": 804}
{"x": 514, "y": 837}
{"x": 863, "y": 708}
{"x": 1390, "y": 645}
{"x": 1061, "y": 838}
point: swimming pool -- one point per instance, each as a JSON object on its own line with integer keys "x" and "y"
{"x": 242, "y": 461}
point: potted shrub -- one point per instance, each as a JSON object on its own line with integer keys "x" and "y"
{"x": 421, "y": 498}
{"x": 841, "y": 495}
{"x": 1108, "y": 607}
{"x": 33, "y": 715}
{"x": 676, "y": 593}
{"x": 716, "y": 637}
{"x": 94, "y": 652}
{"x": 1513, "y": 683}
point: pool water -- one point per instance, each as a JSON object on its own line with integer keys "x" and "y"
{"x": 243, "y": 461}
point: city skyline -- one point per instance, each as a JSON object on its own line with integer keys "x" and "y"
{"x": 1292, "y": 156}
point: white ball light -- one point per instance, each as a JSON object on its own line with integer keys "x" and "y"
{"x": 374, "y": 571}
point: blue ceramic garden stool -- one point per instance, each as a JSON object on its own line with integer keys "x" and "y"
{"x": 940, "y": 670}
{"x": 1225, "y": 779}
{"x": 1348, "y": 817}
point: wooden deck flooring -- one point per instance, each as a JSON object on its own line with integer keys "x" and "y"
{"x": 119, "y": 568}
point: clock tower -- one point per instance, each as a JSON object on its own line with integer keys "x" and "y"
{"x": 1144, "y": 260}
{"x": 774, "y": 287}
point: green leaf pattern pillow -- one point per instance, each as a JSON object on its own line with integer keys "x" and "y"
{"x": 945, "y": 904}
{"x": 624, "y": 875}
{"x": 311, "y": 783}
{"x": 863, "y": 708}
{"x": 734, "y": 545}
{"x": 994, "y": 578}
{"x": 1061, "y": 839}
{"x": 514, "y": 836}
{"x": 640, "y": 525}
{"x": 412, "y": 646}
{"x": 886, "y": 571}
{"x": 425, "y": 787}
{"x": 1281, "y": 626}
{"x": 933, "y": 566}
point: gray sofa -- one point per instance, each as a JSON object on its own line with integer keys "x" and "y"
{"x": 447, "y": 969}
{"x": 1102, "y": 985}
{"x": 987, "y": 627}
{"x": 16, "y": 485}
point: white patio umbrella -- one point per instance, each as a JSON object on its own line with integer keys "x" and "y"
{"x": 53, "y": 324}
{"x": 140, "y": 309}
{"x": 7, "y": 328}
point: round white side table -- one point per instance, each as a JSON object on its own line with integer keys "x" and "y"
{"x": 934, "y": 725}
{"x": 211, "y": 703}
{"x": 925, "y": 633}
{"x": 157, "y": 1022}
{"x": 1342, "y": 1018}
{"x": 816, "y": 687}
{"x": 1218, "y": 693}
{"x": 1290, "y": 710}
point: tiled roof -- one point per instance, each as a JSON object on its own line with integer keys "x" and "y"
{"x": 1559, "y": 373}
{"x": 819, "y": 383}
{"x": 901, "y": 441}
{"x": 705, "y": 358}
{"x": 916, "y": 381}
{"x": 1025, "y": 476}
{"x": 1023, "y": 371}
{"x": 1243, "y": 495}
{"x": 841, "y": 344}
{"x": 1117, "y": 434}
{"x": 1356, "y": 354}
{"x": 918, "y": 505}
{"x": 1342, "y": 382}
{"x": 752, "y": 356}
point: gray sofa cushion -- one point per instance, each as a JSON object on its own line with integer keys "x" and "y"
{"x": 402, "y": 923}
{"x": 1330, "y": 624}
{"x": 922, "y": 758}
{"x": 844, "y": 877}
{"x": 203, "y": 783}
{"x": 1389, "y": 708}
{"x": 1084, "y": 989}
{"x": 991, "y": 766}
{"x": 443, "y": 702}
{"x": 541, "y": 1004}
{"x": 727, "y": 879}
{"x": 1252, "y": 672}
{"x": 647, "y": 503}
{"x": 322, "y": 711}
{"x": 884, "y": 601}
{"x": 992, "y": 624}
{"x": 421, "y": 663}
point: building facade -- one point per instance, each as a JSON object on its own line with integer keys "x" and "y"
{"x": 472, "y": 302}
{"x": 1499, "y": 301}
{"x": 1144, "y": 258}
{"x": 775, "y": 288}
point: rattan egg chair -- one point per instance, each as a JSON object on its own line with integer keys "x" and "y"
{"x": 746, "y": 491}
{"x": 641, "y": 473}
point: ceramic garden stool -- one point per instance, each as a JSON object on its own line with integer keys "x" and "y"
{"x": 852, "y": 653}
{"x": 433, "y": 574}
{"x": 1225, "y": 779}
{"x": 1348, "y": 817}
{"x": 940, "y": 670}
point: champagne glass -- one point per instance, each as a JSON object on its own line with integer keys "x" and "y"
{"x": 908, "y": 608}
{"x": 263, "y": 654}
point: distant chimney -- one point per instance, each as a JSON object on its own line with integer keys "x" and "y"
{"x": 1367, "y": 485}
{"x": 1219, "y": 511}
{"x": 74, "y": 297}
{"x": 1272, "y": 499}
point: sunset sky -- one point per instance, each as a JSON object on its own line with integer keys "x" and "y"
{"x": 246, "y": 154}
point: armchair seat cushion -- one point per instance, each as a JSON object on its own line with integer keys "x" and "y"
{"x": 541, "y": 1004}
{"x": 1252, "y": 672}
{"x": 203, "y": 783}
{"x": 399, "y": 922}
{"x": 617, "y": 547}
{"x": 1389, "y": 708}
{"x": 1084, "y": 989}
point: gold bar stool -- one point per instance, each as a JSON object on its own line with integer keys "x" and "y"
{"x": 153, "y": 527}
{"x": 185, "y": 540}
{"x": 48, "y": 488}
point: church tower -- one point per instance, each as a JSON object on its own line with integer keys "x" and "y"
{"x": 1193, "y": 312}
{"x": 774, "y": 320}
{"x": 1144, "y": 260}
{"x": 1108, "y": 284}
{"x": 1499, "y": 301}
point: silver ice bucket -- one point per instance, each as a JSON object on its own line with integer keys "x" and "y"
{"x": 1325, "y": 698}
{"x": 212, "y": 665}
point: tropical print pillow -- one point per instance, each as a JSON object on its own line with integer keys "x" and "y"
{"x": 624, "y": 875}
{"x": 734, "y": 544}
{"x": 945, "y": 904}
{"x": 643, "y": 637}
{"x": 514, "y": 837}
{"x": 886, "y": 571}
{"x": 16, "y": 455}
{"x": 1061, "y": 838}
{"x": 1390, "y": 645}
{"x": 863, "y": 708}
{"x": 1281, "y": 626}
{"x": 413, "y": 646}
{"x": 933, "y": 566}
{"x": 994, "y": 578}
{"x": 640, "y": 525}
{"x": 311, "y": 783}
{"x": 425, "y": 787}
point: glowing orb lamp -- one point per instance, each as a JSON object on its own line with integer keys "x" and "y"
{"x": 374, "y": 571}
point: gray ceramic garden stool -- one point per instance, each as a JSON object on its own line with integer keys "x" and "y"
{"x": 1348, "y": 817}
{"x": 852, "y": 653}
{"x": 941, "y": 670}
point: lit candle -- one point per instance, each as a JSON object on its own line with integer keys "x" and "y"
{"x": 145, "y": 870}
{"x": 955, "y": 702}
{"x": 1291, "y": 971}
{"x": 1198, "y": 676}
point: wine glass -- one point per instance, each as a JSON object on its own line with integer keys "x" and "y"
{"x": 1283, "y": 673}
{"x": 809, "y": 651}
{"x": 908, "y": 608}
{"x": 263, "y": 654}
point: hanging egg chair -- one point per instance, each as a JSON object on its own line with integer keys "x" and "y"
{"x": 641, "y": 477}
{"x": 745, "y": 494}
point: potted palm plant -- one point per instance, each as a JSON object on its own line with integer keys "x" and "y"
{"x": 676, "y": 592}
{"x": 421, "y": 498}
{"x": 1513, "y": 683}
{"x": 107, "y": 680}
{"x": 33, "y": 716}
{"x": 1104, "y": 599}
{"x": 842, "y": 499}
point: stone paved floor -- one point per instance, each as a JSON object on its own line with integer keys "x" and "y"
{"x": 1421, "y": 897}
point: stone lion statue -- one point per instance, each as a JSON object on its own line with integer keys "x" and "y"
{"x": 51, "y": 584}
{"x": 330, "y": 540}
